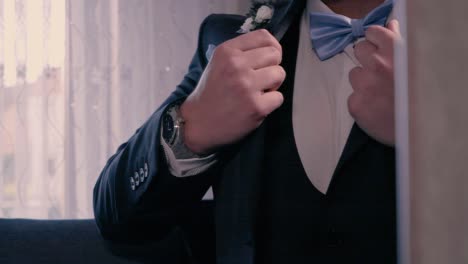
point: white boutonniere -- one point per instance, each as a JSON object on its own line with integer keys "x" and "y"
{"x": 259, "y": 16}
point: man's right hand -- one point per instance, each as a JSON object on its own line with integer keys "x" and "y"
{"x": 236, "y": 92}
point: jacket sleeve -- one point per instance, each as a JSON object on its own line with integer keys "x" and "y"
{"x": 136, "y": 197}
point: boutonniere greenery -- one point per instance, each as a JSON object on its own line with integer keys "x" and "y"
{"x": 259, "y": 15}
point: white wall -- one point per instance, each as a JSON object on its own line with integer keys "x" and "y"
{"x": 436, "y": 168}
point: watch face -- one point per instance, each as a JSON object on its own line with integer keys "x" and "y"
{"x": 168, "y": 128}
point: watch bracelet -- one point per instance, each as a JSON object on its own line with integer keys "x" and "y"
{"x": 180, "y": 150}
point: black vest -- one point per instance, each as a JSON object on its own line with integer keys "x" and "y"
{"x": 354, "y": 223}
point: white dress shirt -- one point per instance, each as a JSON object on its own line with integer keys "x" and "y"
{"x": 321, "y": 120}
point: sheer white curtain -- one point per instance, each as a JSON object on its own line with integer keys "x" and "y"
{"x": 77, "y": 78}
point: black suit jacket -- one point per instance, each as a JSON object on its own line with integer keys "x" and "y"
{"x": 161, "y": 202}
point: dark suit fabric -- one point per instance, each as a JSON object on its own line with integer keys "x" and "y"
{"x": 353, "y": 223}
{"x": 359, "y": 208}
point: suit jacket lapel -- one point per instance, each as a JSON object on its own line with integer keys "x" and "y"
{"x": 236, "y": 201}
{"x": 237, "y": 193}
{"x": 285, "y": 12}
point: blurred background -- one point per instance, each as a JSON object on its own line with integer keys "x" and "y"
{"x": 77, "y": 78}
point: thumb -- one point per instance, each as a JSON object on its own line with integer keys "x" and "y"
{"x": 394, "y": 26}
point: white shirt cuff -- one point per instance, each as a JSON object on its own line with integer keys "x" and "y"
{"x": 186, "y": 167}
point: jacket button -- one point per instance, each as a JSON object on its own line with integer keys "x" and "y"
{"x": 146, "y": 170}
{"x": 136, "y": 178}
{"x": 132, "y": 183}
{"x": 142, "y": 175}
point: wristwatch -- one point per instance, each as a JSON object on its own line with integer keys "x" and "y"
{"x": 173, "y": 132}
{"x": 172, "y": 123}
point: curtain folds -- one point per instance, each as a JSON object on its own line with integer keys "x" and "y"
{"x": 77, "y": 78}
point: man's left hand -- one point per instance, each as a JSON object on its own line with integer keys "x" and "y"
{"x": 372, "y": 102}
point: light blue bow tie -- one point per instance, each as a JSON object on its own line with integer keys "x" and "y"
{"x": 331, "y": 33}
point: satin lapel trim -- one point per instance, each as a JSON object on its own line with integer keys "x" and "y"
{"x": 284, "y": 15}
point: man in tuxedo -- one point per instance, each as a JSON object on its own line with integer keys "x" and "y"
{"x": 292, "y": 125}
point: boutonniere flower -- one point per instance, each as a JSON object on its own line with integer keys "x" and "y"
{"x": 258, "y": 17}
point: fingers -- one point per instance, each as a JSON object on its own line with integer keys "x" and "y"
{"x": 252, "y": 60}
{"x": 360, "y": 80}
{"x": 384, "y": 37}
{"x": 364, "y": 52}
{"x": 394, "y": 26}
{"x": 269, "y": 102}
{"x": 356, "y": 104}
{"x": 354, "y": 77}
{"x": 376, "y": 52}
{"x": 381, "y": 37}
{"x": 255, "y": 50}
{"x": 369, "y": 58}
{"x": 252, "y": 40}
{"x": 263, "y": 57}
{"x": 269, "y": 78}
